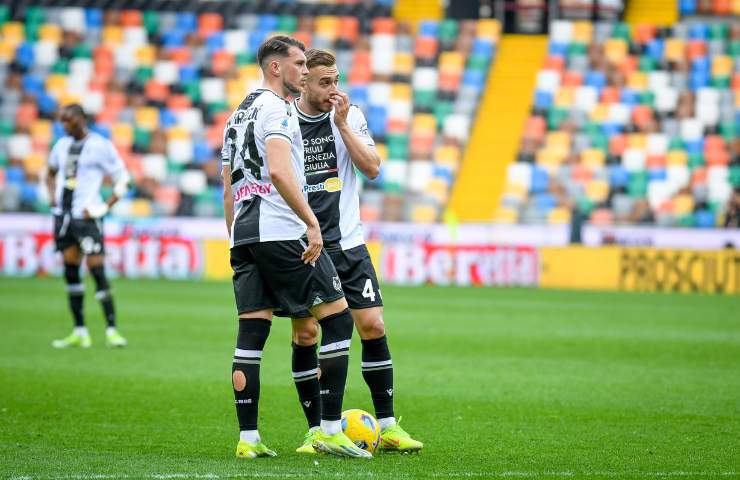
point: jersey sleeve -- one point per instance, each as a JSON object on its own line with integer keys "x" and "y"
{"x": 276, "y": 121}
{"x": 53, "y": 160}
{"x": 358, "y": 124}
{"x": 229, "y": 141}
{"x": 113, "y": 165}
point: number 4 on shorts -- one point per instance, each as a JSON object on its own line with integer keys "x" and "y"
{"x": 368, "y": 292}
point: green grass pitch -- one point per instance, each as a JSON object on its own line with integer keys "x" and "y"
{"x": 498, "y": 383}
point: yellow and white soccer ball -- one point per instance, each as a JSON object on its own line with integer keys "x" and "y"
{"x": 361, "y": 428}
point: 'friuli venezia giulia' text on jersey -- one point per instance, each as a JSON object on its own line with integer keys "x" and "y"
{"x": 331, "y": 182}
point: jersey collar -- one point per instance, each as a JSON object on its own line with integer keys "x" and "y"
{"x": 309, "y": 118}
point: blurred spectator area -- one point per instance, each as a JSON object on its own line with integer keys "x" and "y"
{"x": 161, "y": 85}
{"x": 630, "y": 125}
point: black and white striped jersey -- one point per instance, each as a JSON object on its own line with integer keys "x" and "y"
{"x": 331, "y": 182}
{"x": 260, "y": 213}
{"x": 81, "y": 166}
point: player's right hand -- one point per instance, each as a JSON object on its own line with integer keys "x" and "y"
{"x": 315, "y": 244}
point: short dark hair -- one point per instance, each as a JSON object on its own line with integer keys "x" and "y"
{"x": 278, "y": 45}
{"x": 76, "y": 110}
{"x": 316, "y": 57}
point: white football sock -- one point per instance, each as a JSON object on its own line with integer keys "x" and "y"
{"x": 331, "y": 427}
{"x": 250, "y": 436}
{"x": 110, "y": 330}
{"x": 82, "y": 331}
{"x": 387, "y": 422}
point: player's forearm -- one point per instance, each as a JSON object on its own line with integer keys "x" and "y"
{"x": 228, "y": 199}
{"x": 229, "y": 214}
{"x": 365, "y": 158}
{"x": 51, "y": 186}
{"x": 287, "y": 185}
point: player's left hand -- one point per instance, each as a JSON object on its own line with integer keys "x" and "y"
{"x": 340, "y": 100}
{"x": 96, "y": 211}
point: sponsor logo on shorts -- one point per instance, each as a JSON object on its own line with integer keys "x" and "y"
{"x": 249, "y": 189}
{"x": 88, "y": 245}
{"x": 333, "y": 184}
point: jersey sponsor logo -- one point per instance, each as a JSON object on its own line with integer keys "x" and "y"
{"x": 333, "y": 184}
{"x": 319, "y": 154}
{"x": 337, "y": 284}
{"x": 318, "y": 168}
{"x": 252, "y": 189}
{"x": 363, "y": 129}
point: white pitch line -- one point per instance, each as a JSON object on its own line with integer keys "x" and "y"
{"x": 500, "y": 474}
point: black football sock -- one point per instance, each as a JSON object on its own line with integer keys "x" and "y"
{"x": 102, "y": 293}
{"x": 245, "y": 371}
{"x": 377, "y": 370}
{"x": 336, "y": 337}
{"x": 75, "y": 292}
{"x": 305, "y": 376}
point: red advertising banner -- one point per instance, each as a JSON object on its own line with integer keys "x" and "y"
{"x": 461, "y": 265}
{"x": 33, "y": 253}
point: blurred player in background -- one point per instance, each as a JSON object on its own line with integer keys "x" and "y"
{"x": 77, "y": 165}
{"x": 276, "y": 247}
{"x": 336, "y": 139}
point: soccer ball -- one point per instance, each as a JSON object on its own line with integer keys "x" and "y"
{"x": 361, "y": 428}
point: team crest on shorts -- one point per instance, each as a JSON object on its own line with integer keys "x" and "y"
{"x": 337, "y": 284}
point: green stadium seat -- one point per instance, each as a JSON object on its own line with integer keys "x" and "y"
{"x": 425, "y": 99}
{"x": 675, "y": 143}
{"x": 599, "y": 141}
{"x": 61, "y": 66}
{"x": 192, "y": 90}
{"x": 729, "y": 130}
{"x": 696, "y": 160}
{"x": 735, "y": 176}
{"x": 143, "y": 74}
{"x": 398, "y": 146}
{"x": 142, "y": 138}
{"x": 6, "y": 128}
{"x": 734, "y": 48}
{"x": 287, "y": 23}
{"x": 151, "y": 21}
{"x": 35, "y": 15}
{"x": 575, "y": 49}
{"x": 478, "y": 62}
{"x": 32, "y": 31}
{"x": 637, "y": 184}
{"x": 621, "y": 30}
{"x": 245, "y": 58}
{"x": 647, "y": 98}
{"x": 718, "y": 31}
{"x": 721, "y": 82}
{"x": 686, "y": 220}
{"x": 4, "y": 14}
{"x": 556, "y": 116}
{"x": 647, "y": 63}
{"x": 216, "y": 107}
{"x": 441, "y": 111}
{"x": 448, "y": 29}
{"x": 585, "y": 205}
{"x": 82, "y": 50}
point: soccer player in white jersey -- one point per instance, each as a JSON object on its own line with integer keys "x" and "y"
{"x": 77, "y": 164}
{"x": 335, "y": 140}
{"x": 276, "y": 248}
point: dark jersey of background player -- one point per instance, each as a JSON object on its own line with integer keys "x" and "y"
{"x": 331, "y": 182}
